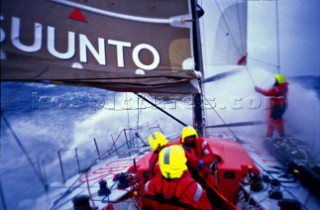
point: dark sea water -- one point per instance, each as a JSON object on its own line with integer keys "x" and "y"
{"x": 42, "y": 117}
{"x": 46, "y": 118}
{"x": 310, "y": 82}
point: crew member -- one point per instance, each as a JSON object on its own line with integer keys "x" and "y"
{"x": 201, "y": 162}
{"x": 157, "y": 142}
{"x": 174, "y": 188}
{"x": 278, "y": 105}
{"x": 198, "y": 146}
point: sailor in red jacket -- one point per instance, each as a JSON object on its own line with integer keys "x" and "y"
{"x": 157, "y": 142}
{"x": 278, "y": 105}
{"x": 173, "y": 188}
{"x": 195, "y": 145}
{"x": 200, "y": 163}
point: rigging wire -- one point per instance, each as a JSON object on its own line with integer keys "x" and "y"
{"x": 261, "y": 61}
{"x": 89, "y": 191}
{"x": 224, "y": 122}
{"x": 138, "y": 112}
{"x": 70, "y": 189}
{"x": 277, "y": 65}
{"x": 3, "y": 200}
{"x": 278, "y": 36}
{"x": 38, "y": 173}
{"x": 203, "y": 41}
{"x": 162, "y": 110}
{"x": 128, "y": 114}
{"x": 136, "y": 134}
{"x": 250, "y": 76}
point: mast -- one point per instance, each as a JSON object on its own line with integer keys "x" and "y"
{"x": 198, "y": 112}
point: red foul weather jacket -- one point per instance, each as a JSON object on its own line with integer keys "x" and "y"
{"x": 278, "y": 94}
{"x": 175, "y": 194}
{"x": 153, "y": 164}
{"x": 202, "y": 151}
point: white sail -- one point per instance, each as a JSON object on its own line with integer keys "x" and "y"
{"x": 224, "y": 32}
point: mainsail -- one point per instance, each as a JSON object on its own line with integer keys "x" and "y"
{"x": 145, "y": 47}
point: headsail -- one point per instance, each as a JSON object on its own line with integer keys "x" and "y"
{"x": 128, "y": 45}
{"x": 224, "y": 32}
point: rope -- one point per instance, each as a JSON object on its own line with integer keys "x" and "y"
{"x": 219, "y": 193}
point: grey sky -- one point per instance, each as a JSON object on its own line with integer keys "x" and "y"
{"x": 299, "y": 22}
